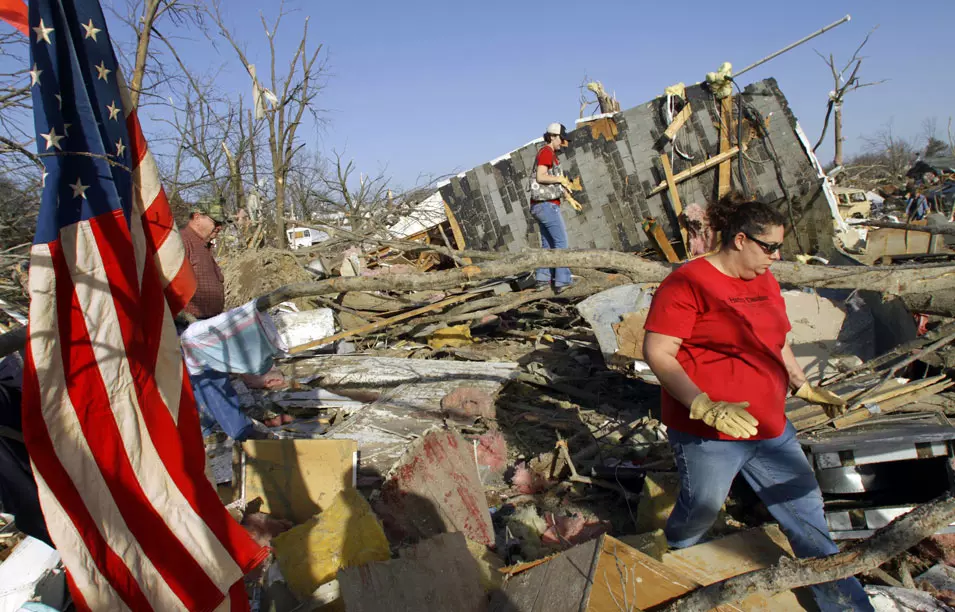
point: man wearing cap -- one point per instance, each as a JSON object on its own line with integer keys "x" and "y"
{"x": 197, "y": 236}
{"x": 546, "y": 191}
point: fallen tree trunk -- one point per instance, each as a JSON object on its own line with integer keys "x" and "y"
{"x": 900, "y": 535}
{"x": 937, "y": 229}
{"x": 893, "y": 280}
{"x": 940, "y": 303}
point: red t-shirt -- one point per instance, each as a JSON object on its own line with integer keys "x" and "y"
{"x": 733, "y": 334}
{"x": 547, "y": 157}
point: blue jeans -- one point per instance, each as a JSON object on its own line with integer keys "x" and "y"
{"x": 780, "y": 474}
{"x": 218, "y": 402}
{"x": 553, "y": 236}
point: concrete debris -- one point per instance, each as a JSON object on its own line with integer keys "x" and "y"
{"x": 346, "y": 534}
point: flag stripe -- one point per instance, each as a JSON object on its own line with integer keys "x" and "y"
{"x": 51, "y": 412}
{"x": 93, "y": 587}
{"x": 143, "y": 352}
{"x": 91, "y": 274}
{"x": 102, "y": 432}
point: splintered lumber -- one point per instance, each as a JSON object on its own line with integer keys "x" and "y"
{"x": 359, "y": 331}
{"x": 900, "y": 535}
{"x": 891, "y": 405}
{"x": 456, "y": 232}
{"x": 726, "y": 123}
{"x": 678, "y": 121}
{"x": 674, "y": 197}
{"x": 697, "y": 169}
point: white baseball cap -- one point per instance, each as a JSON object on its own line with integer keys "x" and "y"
{"x": 558, "y": 129}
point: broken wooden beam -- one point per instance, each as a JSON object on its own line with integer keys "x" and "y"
{"x": 655, "y": 233}
{"x": 697, "y": 169}
{"x": 678, "y": 121}
{"x": 360, "y": 331}
{"x": 675, "y": 201}
{"x": 725, "y": 179}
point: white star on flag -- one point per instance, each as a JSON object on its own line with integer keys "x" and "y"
{"x": 35, "y": 75}
{"x": 102, "y": 71}
{"x": 43, "y": 33}
{"x": 120, "y": 148}
{"x": 52, "y": 140}
{"x": 91, "y": 30}
{"x": 79, "y": 189}
{"x": 66, "y": 129}
{"x": 59, "y": 99}
{"x": 113, "y": 110}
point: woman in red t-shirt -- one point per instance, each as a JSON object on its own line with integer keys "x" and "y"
{"x": 716, "y": 340}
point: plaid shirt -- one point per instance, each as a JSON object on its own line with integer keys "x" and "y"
{"x": 209, "y": 299}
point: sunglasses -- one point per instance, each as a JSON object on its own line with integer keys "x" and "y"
{"x": 768, "y": 247}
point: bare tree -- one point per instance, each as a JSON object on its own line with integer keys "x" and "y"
{"x": 894, "y": 153}
{"x": 933, "y": 145}
{"x": 295, "y": 93}
{"x": 149, "y": 69}
{"x": 841, "y": 87}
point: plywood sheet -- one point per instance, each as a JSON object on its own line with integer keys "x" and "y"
{"x": 296, "y": 479}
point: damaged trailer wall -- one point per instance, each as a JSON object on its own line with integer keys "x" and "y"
{"x": 618, "y": 171}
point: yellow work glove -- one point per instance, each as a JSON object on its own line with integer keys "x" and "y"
{"x": 830, "y": 402}
{"x": 730, "y": 418}
{"x": 568, "y": 184}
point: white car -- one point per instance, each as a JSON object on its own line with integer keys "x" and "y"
{"x": 304, "y": 237}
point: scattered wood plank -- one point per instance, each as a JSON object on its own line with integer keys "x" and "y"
{"x": 725, "y": 179}
{"x": 655, "y": 233}
{"x": 456, "y": 232}
{"x": 892, "y": 405}
{"x": 360, "y": 331}
{"x": 674, "y": 198}
{"x": 697, "y": 169}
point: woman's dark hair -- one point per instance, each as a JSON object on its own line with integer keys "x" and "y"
{"x": 733, "y": 214}
{"x": 548, "y": 137}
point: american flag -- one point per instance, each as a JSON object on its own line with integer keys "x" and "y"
{"x": 108, "y": 414}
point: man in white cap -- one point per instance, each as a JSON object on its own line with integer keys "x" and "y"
{"x": 546, "y": 190}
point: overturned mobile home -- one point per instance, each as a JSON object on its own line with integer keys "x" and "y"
{"x": 618, "y": 158}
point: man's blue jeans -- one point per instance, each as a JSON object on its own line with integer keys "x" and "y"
{"x": 218, "y": 402}
{"x": 553, "y": 236}
{"x": 781, "y": 476}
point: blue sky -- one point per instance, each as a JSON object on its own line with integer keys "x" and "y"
{"x": 421, "y": 87}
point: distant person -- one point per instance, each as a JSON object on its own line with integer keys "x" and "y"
{"x": 547, "y": 188}
{"x": 917, "y": 207}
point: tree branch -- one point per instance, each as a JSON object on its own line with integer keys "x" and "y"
{"x": 900, "y": 535}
